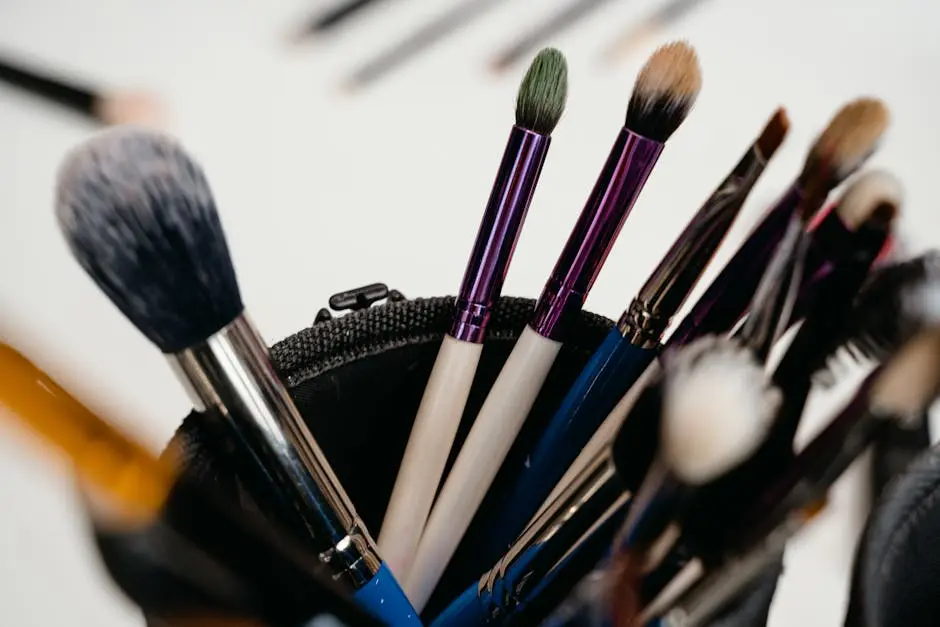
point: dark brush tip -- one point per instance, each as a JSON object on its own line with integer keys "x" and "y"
{"x": 543, "y": 92}
{"x": 882, "y": 318}
{"x": 139, "y": 217}
{"x": 773, "y": 134}
{"x": 665, "y": 91}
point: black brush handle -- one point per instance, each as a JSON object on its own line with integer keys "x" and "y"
{"x": 337, "y": 15}
{"x": 76, "y": 98}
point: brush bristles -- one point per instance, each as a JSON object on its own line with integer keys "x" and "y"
{"x": 893, "y": 304}
{"x": 543, "y": 93}
{"x": 138, "y": 215}
{"x": 664, "y": 92}
{"x": 867, "y": 193}
{"x": 773, "y": 134}
{"x": 851, "y": 136}
{"x": 717, "y": 408}
{"x": 910, "y": 381}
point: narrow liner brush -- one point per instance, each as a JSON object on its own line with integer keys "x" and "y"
{"x": 539, "y": 107}
{"x": 633, "y": 343}
{"x": 139, "y": 217}
{"x": 663, "y": 95}
{"x": 426, "y": 36}
{"x": 898, "y": 392}
{"x": 291, "y": 585}
{"x": 116, "y": 108}
{"x": 568, "y": 16}
{"x": 845, "y": 143}
{"x": 583, "y": 518}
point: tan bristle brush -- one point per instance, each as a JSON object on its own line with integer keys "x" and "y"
{"x": 849, "y": 138}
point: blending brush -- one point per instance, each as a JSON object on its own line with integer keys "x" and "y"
{"x": 896, "y": 393}
{"x": 290, "y": 585}
{"x": 717, "y": 409}
{"x": 843, "y": 146}
{"x": 589, "y": 509}
{"x": 821, "y": 335}
{"x": 568, "y": 16}
{"x": 846, "y": 142}
{"x": 116, "y": 108}
{"x": 139, "y": 217}
{"x": 539, "y": 107}
{"x": 633, "y": 343}
{"x": 426, "y": 36}
{"x": 663, "y": 95}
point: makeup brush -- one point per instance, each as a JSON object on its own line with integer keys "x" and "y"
{"x": 897, "y": 392}
{"x": 842, "y": 147}
{"x": 663, "y": 95}
{"x": 425, "y": 37}
{"x": 820, "y": 336}
{"x": 139, "y": 217}
{"x": 134, "y": 487}
{"x": 334, "y": 17}
{"x": 573, "y": 533}
{"x": 633, "y": 343}
{"x": 648, "y": 27}
{"x": 567, "y": 17}
{"x": 539, "y": 107}
{"x": 848, "y": 140}
{"x": 106, "y": 108}
{"x": 717, "y": 409}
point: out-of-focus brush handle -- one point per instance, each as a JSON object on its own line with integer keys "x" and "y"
{"x": 612, "y": 370}
{"x": 429, "y": 444}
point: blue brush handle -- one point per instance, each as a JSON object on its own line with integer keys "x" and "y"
{"x": 384, "y": 598}
{"x": 611, "y": 371}
{"x": 465, "y": 611}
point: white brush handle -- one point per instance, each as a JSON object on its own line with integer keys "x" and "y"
{"x": 605, "y": 433}
{"x": 496, "y": 426}
{"x": 429, "y": 444}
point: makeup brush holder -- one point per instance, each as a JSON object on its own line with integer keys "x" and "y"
{"x": 358, "y": 380}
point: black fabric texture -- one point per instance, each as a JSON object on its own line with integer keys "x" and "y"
{"x": 358, "y": 380}
{"x": 896, "y": 577}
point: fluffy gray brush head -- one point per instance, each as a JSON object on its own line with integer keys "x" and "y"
{"x": 665, "y": 91}
{"x": 543, "y": 92}
{"x": 139, "y": 217}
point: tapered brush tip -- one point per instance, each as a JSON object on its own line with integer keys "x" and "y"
{"x": 664, "y": 92}
{"x": 875, "y": 191}
{"x": 138, "y": 215}
{"x": 543, "y": 92}
{"x": 773, "y": 134}
{"x": 717, "y": 408}
{"x": 851, "y": 136}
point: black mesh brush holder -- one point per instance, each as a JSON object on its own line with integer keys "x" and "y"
{"x": 358, "y": 380}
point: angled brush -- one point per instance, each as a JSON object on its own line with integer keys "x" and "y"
{"x": 539, "y": 107}
{"x": 663, "y": 95}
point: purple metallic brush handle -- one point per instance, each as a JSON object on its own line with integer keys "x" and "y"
{"x": 499, "y": 231}
{"x": 729, "y": 295}
{"x": 629, "y": 165}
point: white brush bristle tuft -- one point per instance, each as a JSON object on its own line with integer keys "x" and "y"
{"x": 717, "y": 408}
{"x": 866, "y": 193}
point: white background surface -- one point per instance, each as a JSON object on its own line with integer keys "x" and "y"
{"x": 320, "y": 192}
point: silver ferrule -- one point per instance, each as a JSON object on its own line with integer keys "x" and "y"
{"x": 232, "y": 372}
{"x": 591, "y": 499}
{"x": 667, "y": 288}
